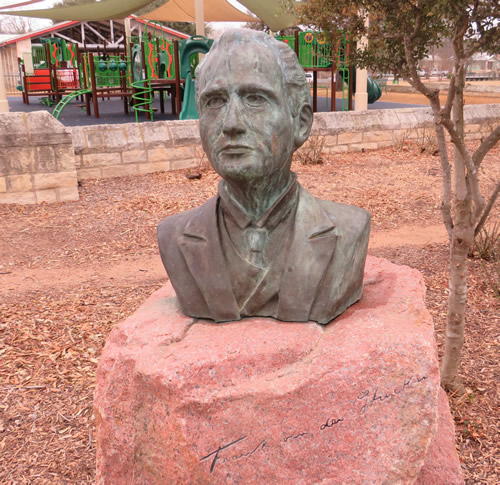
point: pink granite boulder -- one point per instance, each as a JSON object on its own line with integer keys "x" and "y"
{"x": 184, "y": 401}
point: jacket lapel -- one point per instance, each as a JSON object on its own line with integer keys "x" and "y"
{"x": 202, "y": 249}
{"x": 310, "y": 253}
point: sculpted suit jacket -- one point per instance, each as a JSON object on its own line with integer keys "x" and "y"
{"x": 323, "y": 274}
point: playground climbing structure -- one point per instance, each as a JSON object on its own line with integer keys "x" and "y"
{"x": 319, "y": 53}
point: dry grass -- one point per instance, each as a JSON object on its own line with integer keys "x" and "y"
{"x": 63, "y": 288}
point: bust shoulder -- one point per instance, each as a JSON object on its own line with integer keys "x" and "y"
{"x": 347, "y": 218}
{"x": 174, "y": 225}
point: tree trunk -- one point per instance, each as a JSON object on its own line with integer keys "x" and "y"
{"x": 463, "y": 236}
{"x": 462, "y": 239}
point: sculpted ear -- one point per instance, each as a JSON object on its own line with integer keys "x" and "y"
{"x": 303, "y": 124}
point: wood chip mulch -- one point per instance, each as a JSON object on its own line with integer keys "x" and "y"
{"x": 51, "y": 335}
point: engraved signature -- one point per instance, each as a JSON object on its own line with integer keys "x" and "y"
{"x": 295, "y": 436}
{"x": 377, "y": 397}
{"x": 263, "y": 444}
{"x": 215, "y": 453}
{"x": 368, "y": 397}
{"x": 330, "y": 422}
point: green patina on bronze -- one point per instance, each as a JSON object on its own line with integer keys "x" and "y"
{"x": 264, "y": 246}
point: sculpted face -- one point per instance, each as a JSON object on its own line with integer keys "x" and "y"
{"x": 246, "y": 125}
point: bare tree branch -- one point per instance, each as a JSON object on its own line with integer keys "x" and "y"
{"x": 486, "y": 146}
{"x": 487, "y": 209}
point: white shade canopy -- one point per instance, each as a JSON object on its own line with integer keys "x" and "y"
{"x": 271, "y": 12}
{"x": 184, "y": 11}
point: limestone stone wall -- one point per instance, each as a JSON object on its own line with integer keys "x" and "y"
{"x": 41, "y": 160}
{"x": 353, "y": 131}
{"x": 135, "y": 148}
{"x": 37, "y": 162}
{"x": 117, "y": 150}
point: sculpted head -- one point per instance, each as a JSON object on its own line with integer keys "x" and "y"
{"x": 253, "y": 103}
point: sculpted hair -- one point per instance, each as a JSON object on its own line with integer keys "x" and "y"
{"x": 292, "y": 71}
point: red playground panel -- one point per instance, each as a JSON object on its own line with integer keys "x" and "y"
{"x": 40, "y": 81}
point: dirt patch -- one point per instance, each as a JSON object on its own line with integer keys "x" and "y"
{"x": 70, "y": 272}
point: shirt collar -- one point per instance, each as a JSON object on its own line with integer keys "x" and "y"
{"x": 271, "y": 217}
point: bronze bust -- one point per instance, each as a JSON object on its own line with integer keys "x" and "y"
{"x": 264, "y": 246}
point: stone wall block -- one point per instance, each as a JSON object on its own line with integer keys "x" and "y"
{"x": 65, "y": 157}
{"x": 46, "y": 195}
{"x": 45, "y": 160}
{"x": 18, "y": 198}
{"x": 319, "y": 124}
{"x": 330, "y": 140}
{"x": 180, "y": 153}
{"x": 476, "y": 113}
{"x": 133, "y": 135}
{"x": 158, "y": 154}
{"x": 388, "y": 119}
{"x": 120, "y": 170}
{"x": 79, "y": 140}
{"x": 67, "y": 194}
{"x": 114, "y": 138}
{"x": 17, "y": 160}
{"x": 337, "y": 122}
{"x": 407, "y": 118}
{"x": 182, "y": 164}
{"x": 184, "y": 132}
{"x": 365, "y": 120}
{"x": 156, "y": 134}
{"x": 19, "y": 183}
{"x": 350, "y": 137}
{"x": 101, "y": 159}
{"x": 377, "y": 136}
{"x": 95, "y": 140}
{"x": 3, "y": 184}
{"x": 336, "y": 149}
{"x": 13, "y": 130}
{"x": 89, "y": 173}
{"x": 152, "y": 167}
{"x": 55, "y": 180}
{"x": 44, "y": 129}
{"x": 134, "y": 156}
{"x": 424, "y": 117}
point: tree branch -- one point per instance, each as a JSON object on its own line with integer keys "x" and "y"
{"x": 486, "y": 146}
{"x": 487, "y": 209}
{"x": 414, "y": 78}
{"x": 471, "y": 169}
{"x": 446, "y": 180}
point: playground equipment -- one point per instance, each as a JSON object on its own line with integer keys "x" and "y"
{"x": 316, "y": 53}
{"x": 155, "y": 67}
{"x": 189, "y": 60}
{"x": 104, "y": 75}
{"x": 153, "y": 64}
{"x": 50, "y": 69}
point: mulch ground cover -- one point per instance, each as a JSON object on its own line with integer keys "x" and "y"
{"x": 51, "y": 337}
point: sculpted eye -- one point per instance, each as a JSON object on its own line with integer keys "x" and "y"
{"x": 215, "y": 102}
{"x": 255, "y": 100}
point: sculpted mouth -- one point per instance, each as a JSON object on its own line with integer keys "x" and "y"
{"x": 235, "y": 149}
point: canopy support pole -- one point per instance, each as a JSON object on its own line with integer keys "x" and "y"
{"x": 199, "y": 15}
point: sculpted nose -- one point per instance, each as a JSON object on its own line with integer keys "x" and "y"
{"x": 233, "y": 121}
